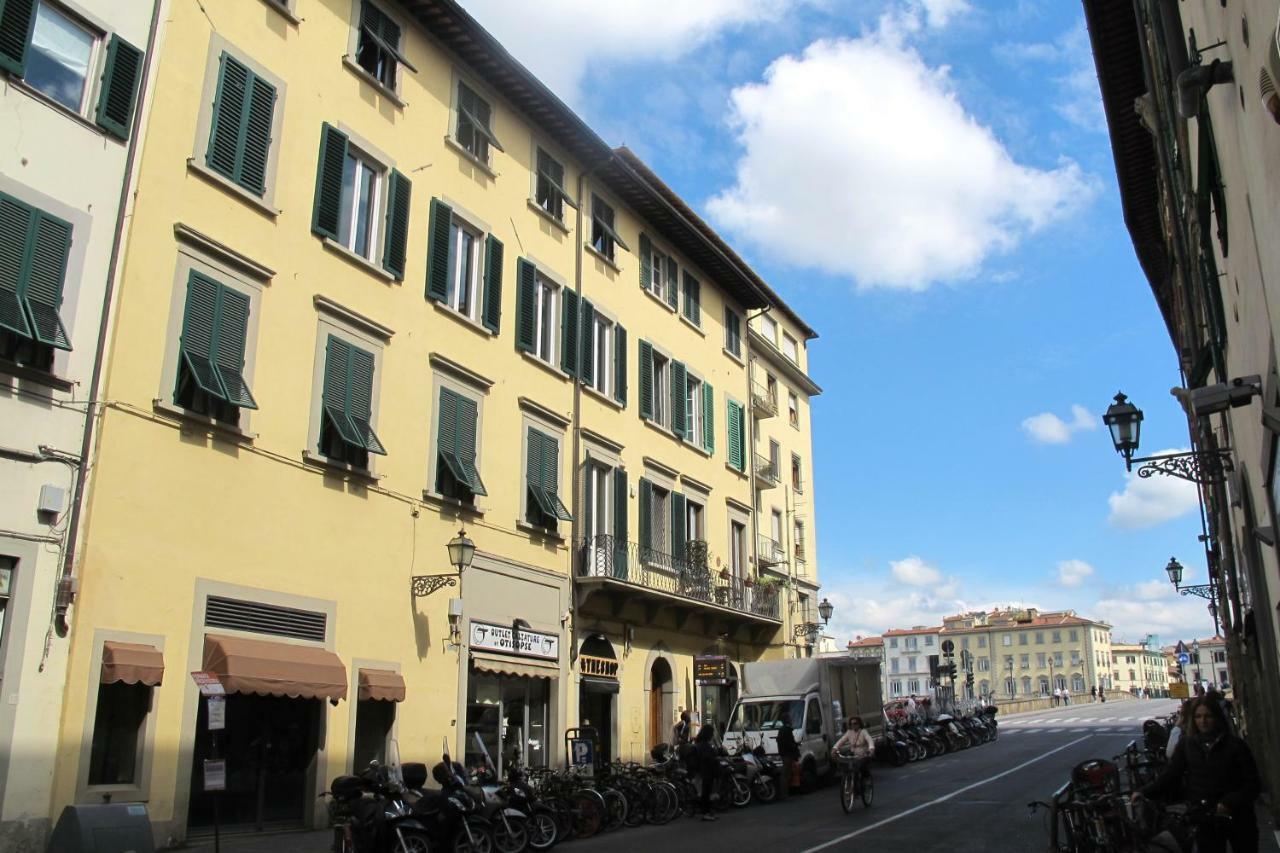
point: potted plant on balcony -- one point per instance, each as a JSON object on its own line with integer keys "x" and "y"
{"x": 724, "y": 574}
{"x": 748, "y": 581}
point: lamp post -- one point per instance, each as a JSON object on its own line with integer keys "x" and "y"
{"x": 1206, "y": 590}
{"x": 1012, "y": 688}
{"x": 461, "y": 552}
{"x": 1195, "y": 660}
{"x": 812, "y": 631}
{"x": 1124, "y": 420}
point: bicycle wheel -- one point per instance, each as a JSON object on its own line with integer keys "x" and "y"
{"x": 588, "y": 813}
{"x": 639, "y": 801}
{"x": 543, "y": 831}
{"x": 847, "y": 792}
{"x": 868, "y": 790}
{"x": 615, "y": 809}
{"x": 666, "y": 804}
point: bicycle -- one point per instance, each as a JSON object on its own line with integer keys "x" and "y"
{"x": 855, "y": 784}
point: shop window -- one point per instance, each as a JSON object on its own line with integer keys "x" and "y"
{"x": 374, "y": 719}
{"x": 117, "y": 731}
{"x": 507, "y": 720}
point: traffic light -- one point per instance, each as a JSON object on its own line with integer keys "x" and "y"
{"x": 934, "y": 670}
{"x": 968, "y": 678}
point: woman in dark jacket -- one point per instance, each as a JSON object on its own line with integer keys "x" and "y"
{"x": 1212, "y": 766}
{"x": 708, "y": 764}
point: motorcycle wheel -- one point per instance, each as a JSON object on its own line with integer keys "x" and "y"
{"x": 848, "y": 792}
{"x": 766, "y": 789}
{"x": 510, "y": 834}
{"x": 899, "y": 757}
{"x": 543, "y": 832}
{"x": 408, "y": 841}
{"x": 741, "y": 793}
{"x": 666, "y": 804}
{"x": 868, "y": 790}
{"x": 483, "y": 841}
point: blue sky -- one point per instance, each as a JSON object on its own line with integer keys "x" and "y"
{"x": 929, "y": 183}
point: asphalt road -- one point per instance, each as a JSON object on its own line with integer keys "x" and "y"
{"x": 973, "y": 801}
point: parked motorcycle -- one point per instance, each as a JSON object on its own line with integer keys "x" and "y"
{"x": 451, "y": 815}
{"x": 369, "y": 813}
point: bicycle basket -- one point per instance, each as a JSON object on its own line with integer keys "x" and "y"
{"x": 1096, "y": 776}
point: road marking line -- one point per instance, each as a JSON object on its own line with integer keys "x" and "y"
{"x": 943, "y": 798}
{"x": 1078, "y": 731}
{"x": 1054, "y": 731}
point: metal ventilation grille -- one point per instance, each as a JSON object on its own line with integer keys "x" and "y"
{"x": 264, "y": 618}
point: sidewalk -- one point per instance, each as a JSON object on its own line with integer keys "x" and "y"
{"x": 297, "y": 841}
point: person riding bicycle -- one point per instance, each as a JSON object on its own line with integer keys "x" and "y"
{"x": 857, "y": 741}
{"x": 1214, "y": 767}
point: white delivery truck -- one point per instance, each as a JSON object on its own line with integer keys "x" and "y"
{"x": 818, "y": 693}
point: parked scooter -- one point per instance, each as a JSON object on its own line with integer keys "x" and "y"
{"x": 369, "y": 812}
{"x": 451, "y": 815}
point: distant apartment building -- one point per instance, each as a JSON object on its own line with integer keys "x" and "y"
{"x": 1139, "y": 667}
{"x": 906, "y": 661}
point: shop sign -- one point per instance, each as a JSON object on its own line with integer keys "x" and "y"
{"x": 208, "y": 683}
{"x": 502, "y": 638}
{"x": 215, "y": 774}
{"x": 711, "y": 670}
{"x": 217, "y": 712}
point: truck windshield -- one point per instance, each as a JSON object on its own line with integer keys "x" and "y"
{"x": 766, "y": 715}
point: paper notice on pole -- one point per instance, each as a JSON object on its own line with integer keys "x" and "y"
{"x": 217, "y": 713}
{"x": 208, "y": 683}
{"x": 215, "y": 775}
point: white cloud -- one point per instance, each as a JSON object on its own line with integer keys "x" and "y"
{"x": 1152, "y": 607}
{"x": 1078, "y": 98}
{"x": 914, "y": 571}
{"x": 565, "y": 37}
{"x": 859, "y": 160}
{"x": 1147, "y": 502}
{"x": 1048, "y": 428}
{"x": 1072, "y": 573}
{"x": 939, "y": 13}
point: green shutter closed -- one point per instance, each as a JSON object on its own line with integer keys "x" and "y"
{"x": 679, "y": 392}
{"x": 491, "y": 316}
{"x": 120, "y": 77}
{"x": 588, "y": 504}
{"x": 620, "y": 545}
{"x": 232, "y": 331}
{"x": 399, "y": 191}
{"x": 199, "y": 321}
{"x": 456, "y": 439}
{"x": 447, "y": 435}
{"x": 468, "y": 418}
{"x": 569, "y": 323}
{"x": 240, "y": 136}
{"x": 17, "y": 21}
{"x": 48, "y": 249}
{"x": 673, "y": 284}
{"x": 526, "y": 307}
{"x": 735, "y": 449}
{"x": 646, "y": 521}
{"x": 620, "y": 365}
{"x": 692, "y": 299}
{"x": 439, "y": 250}
{"x": 708, "y": 418}
{"x": 588, "y": 370}
{"x": 646, "y": 261}
{"x": 347, "y": 396}
{"x": 15, "y": 219}
{"x": 646, "y": 380}
{"x": 329, "y": 172}
{"x": 678, "y": 531}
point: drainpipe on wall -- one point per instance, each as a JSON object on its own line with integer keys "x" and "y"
{"x": 67, "y": 584}
{"x": 749, "y": 457}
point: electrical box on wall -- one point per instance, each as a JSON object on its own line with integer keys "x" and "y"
{"x": 53, "y": 500}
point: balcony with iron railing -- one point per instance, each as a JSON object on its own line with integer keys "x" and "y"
{"x": 763, "y": 403}
{"x": 769, "y": 552}
{"x": 766, "y": 472}
{"x": 624, "y": 571}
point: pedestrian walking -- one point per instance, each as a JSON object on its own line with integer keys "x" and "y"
{"x": 708, "y": 763}
{"x": 682, "y": 731}
{"x": 1057, "y": 696}
{"x": 1066, "y": 697}
{"x": 789, "y": 752}
{"x": 1093, "y": 693}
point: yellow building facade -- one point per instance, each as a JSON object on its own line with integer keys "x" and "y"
{"x": 1137, "y": 666}
{"x": 381, "y": 286}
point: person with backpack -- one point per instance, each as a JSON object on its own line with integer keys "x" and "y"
{"x": 707, "y": 760}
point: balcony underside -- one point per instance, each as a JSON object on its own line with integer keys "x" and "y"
{"x": 610, "y": 597}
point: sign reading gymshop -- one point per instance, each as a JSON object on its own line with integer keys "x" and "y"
{"x": 501, "y": 638}
{"x": 711, "y": 670}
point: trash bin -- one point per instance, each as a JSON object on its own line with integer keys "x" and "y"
{"x": 107, "y": 828}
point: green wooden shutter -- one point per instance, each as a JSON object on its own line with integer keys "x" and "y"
{"x": 526, "y": 308}
{"x": 734, "y": 422}
{"x": 678, "y": 531}
{"x": 334, "y": 396}
{"x": 329, "y": 170}
{"x": 347, "y": 397}
{"x": 240, "y": 135}
{"x": 692, "y": 299}
{"x": 439, "y": 250}
{"x": 646, "y": 521}
{"x": 15, "y": 223}
{"x": 569, "y": 331}
{"x": 588, "y": 489}
{"x": 255, "y": 136}
{"x": 120, "y": 76}
{"x": 468, "y": 417}
{"x": 534, "y": 511}
{"x": 399, "y": 191}
{"x": 491, "y": 316}
{"x": 17, "y": 21}
{"x": 199, "y": 322}
{"x": 679, "y": 391}
{"x": 708, "y": 418}
{"x": 646, "y": 380}
{"x": 228, "y": 355}
{"x": 646, "y": 261}
{"x": 620, "y": 546}
{"x": 47, "y": 253}
{"x": 673, "y": 284}
{"x": 360, "y": 399}
{"x": 447, "y": 435}
{"x": 620, "y": 364}
{"x": 588, "y": 370}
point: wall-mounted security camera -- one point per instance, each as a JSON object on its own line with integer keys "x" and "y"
{"x": 1212, "y": 399}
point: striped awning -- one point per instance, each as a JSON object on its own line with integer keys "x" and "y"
{"x": 503, "y": 665}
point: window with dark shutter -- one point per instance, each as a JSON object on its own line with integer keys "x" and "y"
{"x": 473, "y": 126}
{"x": 620, "y": 364}
{"x": 491, "y": 316}
{"x": 526, "y": 305}
{"x": 240, "y": 132}
{"x": 737, "y": 459}
{"x": 378, "y": 48}
{"x": 458, "y": 475}
{"x": 346, "y": 432}
{"x": 17, "y": 20}
{"x": 692, "y": 299}
{"x": 34, "y": 251}
{"x": 119, "y": 94}
{"x": 542, "y": 481}
{"x": 397, "y": 241}
{"x": 549, "y": 192}
{"x": 211, "y": 351}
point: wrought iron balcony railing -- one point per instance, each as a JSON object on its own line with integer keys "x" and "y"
{"x": 763, "y": 404}
{"x": 769, "y": 552}
{"x": 766, "y": 472}
{"x": 686, "y": 575}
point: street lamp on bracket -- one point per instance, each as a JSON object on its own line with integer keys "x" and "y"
{"x": 1124, "y": 420}
{"x": 811, "y": 631}
{"x": 461, "y": 552}
{"x": 1208, "y": 590}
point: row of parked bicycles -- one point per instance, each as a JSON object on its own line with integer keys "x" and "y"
{"x": 387, "y": 808}
{"x": 1094, "y": 812}
{"x": 911, "y": 740}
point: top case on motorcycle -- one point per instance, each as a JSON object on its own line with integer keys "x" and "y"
{"x": 414, "y": 774}
{"x": 347, "y": 788}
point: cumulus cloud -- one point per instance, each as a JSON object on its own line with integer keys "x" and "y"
{"x": 565, "y": 37}
{"x": 1152, "y": 607}
{"x": 1151, "y": 501}
{"x": 859, "y": 160}
{"x": 1048, "y": 428}
{"x": 1072, "y": 573}
{"x": 914, "y": 571}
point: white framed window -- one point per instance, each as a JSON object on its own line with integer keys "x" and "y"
{"x": 545, "y": 297}
{"x": 548, "y": 189}
{"x": 737, "y": 548}
{"x": 362, "y": 180}
{"x": 793, "y": 409}
{"x": 466, "y": 260}
{"x": 732, "y": 332}
{"x": 693, "y": 409}
{"x": 601, "y": 522}
{"x": 798, "y": 537}
{"x": 895, "y": 688}
{"x": 1007, "y": 640}
{"x": 769, "y": 329}
{"x": 694, "y": 525}
{"x": 790, "y": 349}
{"x": 894, "y": 666}
{"x": 601, "y": 355}
{"x": 913, "y": 685}
{"x": 662, "y": 272}
{"x": 775, "y": 526}
{"x": 604, "y": 236}
{"x": 60, "y": 56}
{"x": 473, "y": 124}
{"x": 378, "y": 45}
{"x": 659, "y": 520}
{"x": 984, "y": 664}
{"x": 661, "y": 389}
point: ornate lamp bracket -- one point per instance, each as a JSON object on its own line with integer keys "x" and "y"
{"x": 423, "y": 585}
{"x": 1198, "y": 466}
{"x": 1201, "y": 591}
